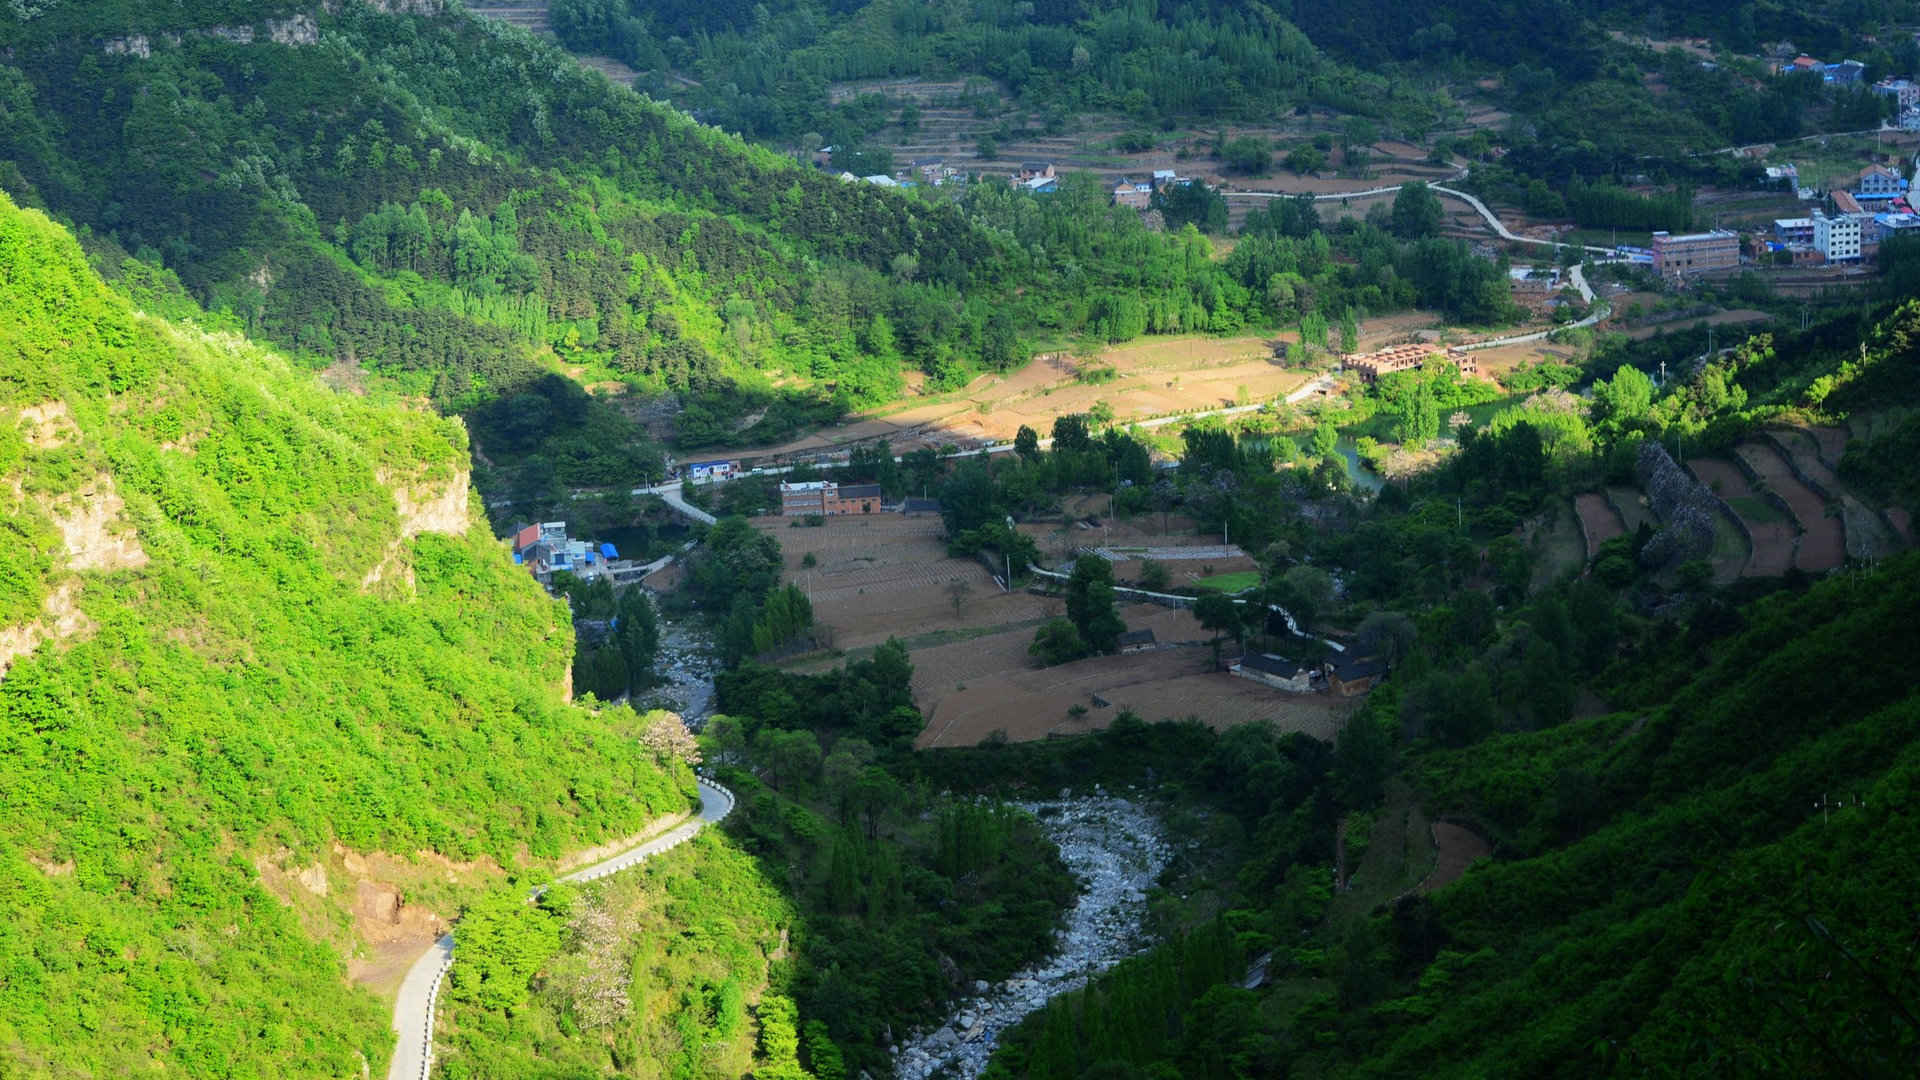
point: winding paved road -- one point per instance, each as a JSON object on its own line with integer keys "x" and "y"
{"x": 413, "y": 1010}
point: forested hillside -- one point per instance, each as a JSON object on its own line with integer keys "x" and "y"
{"x": 1705, "y": 881}
{"x": 462, "y": 208}
{"x": 247, "y": 633}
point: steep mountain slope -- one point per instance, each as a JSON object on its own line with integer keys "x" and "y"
{"x": 247, "y": 639}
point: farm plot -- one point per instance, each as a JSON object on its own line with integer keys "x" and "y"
{"x": 1557, "y": 544}
{"x": 1812, "y": 452}
{"x": 882, "y": 575}
{"x": 969, "y": 695}
{"x": 1773, "y": 537}
{"x": 1632, "y": 508}
{"x": 1598, "y": 521}
{"x": 1802, "y": 451}
{"x": 1823, "y": 544}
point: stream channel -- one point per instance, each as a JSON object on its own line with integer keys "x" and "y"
{"x": 1114, "y": 846}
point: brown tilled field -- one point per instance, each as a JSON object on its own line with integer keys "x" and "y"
{"x": 1152, "y": 377}
{"x": 1772, "y": 540}
{"x": 970, "y": 690}
{"x": 1597, "y": 520}
{"x": 884, "y": 575}
{"x": 1823, "y": 545}
{"x": 1458, "y": 848}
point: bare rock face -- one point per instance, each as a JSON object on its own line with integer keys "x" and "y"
{"x": 428, "y": 8}
{"x": 93, "y": 525}
{"x": 294, "y": 30}
{"x": 130, "y": 45}
{"x": 313, "y": 879}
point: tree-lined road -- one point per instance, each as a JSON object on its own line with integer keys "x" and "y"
{"x": 413, "y": 1010}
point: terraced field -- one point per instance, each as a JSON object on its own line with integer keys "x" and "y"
{"x": 1773, "y": 540}
{"x": 1823, "y": 542}
{"x": 1598, "y": 521}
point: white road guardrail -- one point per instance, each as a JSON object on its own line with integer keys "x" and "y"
{"x": 417, "y": 1005}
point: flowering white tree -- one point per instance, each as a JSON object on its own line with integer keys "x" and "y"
{"x": 666, "y": 735}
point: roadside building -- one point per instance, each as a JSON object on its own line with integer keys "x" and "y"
{"x": 1137, "y": 641}
{"x": 545, "y": 549}
{"x": 1164, "y": 177}
{"x": 1837, "y": 239}
{"x": 1695, "y": 253}
{"x": 855, "y": 499}
{"x": 1276, "y": 671}
{"x": 827, "y": 499}
{"x": 804, "y": 497}
{"x": 701, "y": 472}
{"x": 1411, "y": 357}
{"x": 1537, "y": 281}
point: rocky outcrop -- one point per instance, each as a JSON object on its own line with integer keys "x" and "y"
{"x": 295, "y": 30}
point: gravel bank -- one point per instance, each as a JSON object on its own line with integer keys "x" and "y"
{"x": 1116, "y": 849}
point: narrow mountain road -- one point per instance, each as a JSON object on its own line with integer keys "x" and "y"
{"x": 413, "y": 1010}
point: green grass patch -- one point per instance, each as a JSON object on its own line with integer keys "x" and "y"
{"x": 1755, "y": 510}
{"x": 1230, "y": 583}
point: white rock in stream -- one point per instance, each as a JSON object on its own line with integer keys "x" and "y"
{"x": 1115, "y": 849}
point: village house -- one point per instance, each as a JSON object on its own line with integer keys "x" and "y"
{"x": 1904, "y": 92}
{"x": 1137, "y": 641}
{"x": 545, "y": 549}
{"x": 1351, "y": 675}
{"x": 1132, "y": 194}
{"x": 1031, "y": 170}
{"x": 1847, "y": 73}
{"x": 1694, "y": 253}
{"x": 1879, "y": 182}
{"x": 827, "y": 499}
{"x": 1411, "y": 357}
{"x": 1793, "y": 230}
{"x": 1277, "y": 672}
{"x": 1535, "y": 281}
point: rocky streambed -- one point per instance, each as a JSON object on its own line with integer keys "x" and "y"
{"x": 687, "y": 663}
{"x": 1115, "y": 847}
